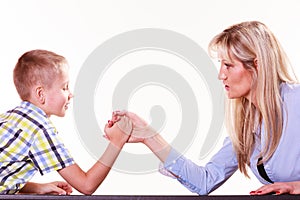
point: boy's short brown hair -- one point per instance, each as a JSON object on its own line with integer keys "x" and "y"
{"x": 36, "y": 67}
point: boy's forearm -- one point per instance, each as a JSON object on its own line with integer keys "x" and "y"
{"x": 30, "y": 188}
{"x": 99, "y": 171}
{"x": 88, "y": 182}
{"x": 110, "y": 155}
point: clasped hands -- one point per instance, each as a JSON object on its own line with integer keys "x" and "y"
{"x": 125, "y": 127}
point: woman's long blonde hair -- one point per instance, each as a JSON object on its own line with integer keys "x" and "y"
{"x": 253, "y": 44}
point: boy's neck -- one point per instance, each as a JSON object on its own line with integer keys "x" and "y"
{"x": 38, "y": 105}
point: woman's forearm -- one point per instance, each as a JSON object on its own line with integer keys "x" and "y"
{"x": 159, "y": 146}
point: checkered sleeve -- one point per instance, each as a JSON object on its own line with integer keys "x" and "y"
{"x": 48, "y": 153}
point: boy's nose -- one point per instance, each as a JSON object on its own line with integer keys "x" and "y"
{"x": 70, "y": 95}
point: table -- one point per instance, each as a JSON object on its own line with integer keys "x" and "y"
{"x": 151, "y": 197}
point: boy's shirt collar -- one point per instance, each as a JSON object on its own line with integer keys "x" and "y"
{"x": 30, "y": 106}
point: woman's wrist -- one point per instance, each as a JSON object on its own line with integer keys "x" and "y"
{"x": 158, "y": 146}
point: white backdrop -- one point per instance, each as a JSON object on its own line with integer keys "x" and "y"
{"x": 74, "y": 28}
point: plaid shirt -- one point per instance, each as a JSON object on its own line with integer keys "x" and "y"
{"x": 28, "y": 143}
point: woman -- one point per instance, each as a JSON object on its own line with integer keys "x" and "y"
{"x": 261, "y": 113}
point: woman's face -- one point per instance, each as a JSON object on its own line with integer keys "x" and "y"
{"x": 236, "y": 79}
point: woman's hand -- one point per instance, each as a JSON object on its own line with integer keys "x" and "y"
{"x": 141, "y": 132}
{"x": 279, "y": 188}
{"x": 140, "y": 128}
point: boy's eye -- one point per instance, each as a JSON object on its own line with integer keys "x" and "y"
{"x": 66, "y": 88}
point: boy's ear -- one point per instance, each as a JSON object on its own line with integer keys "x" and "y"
{"x": 39, "y": 94}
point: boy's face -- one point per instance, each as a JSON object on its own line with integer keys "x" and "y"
{"x": 57, "y": 98}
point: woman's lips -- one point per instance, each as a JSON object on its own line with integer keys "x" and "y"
{"x": 226, "y": 87}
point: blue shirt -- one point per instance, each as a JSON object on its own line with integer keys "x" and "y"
{"x": 283, "y": 166}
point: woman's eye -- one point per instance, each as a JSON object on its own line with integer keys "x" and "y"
{"x": 228, "y": 65}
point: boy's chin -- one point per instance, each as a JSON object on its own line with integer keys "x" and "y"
{"x": 61, "y": 114}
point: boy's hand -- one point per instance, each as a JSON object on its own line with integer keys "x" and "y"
{"x": 140, "y": 128}
{"x": 116, "y": 135}
{"x": 57, "y": 187}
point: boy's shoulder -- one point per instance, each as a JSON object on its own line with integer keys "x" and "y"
{"x": 25, "y": 115}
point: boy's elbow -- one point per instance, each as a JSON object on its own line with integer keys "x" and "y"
{"x": 87, "y": 190}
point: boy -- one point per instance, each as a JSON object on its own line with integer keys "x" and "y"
{"x": 28, "y": 140}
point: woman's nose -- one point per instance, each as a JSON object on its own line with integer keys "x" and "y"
{"x": 221, "y": 75}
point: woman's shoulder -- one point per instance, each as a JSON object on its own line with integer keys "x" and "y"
{"x": 290, "y": 89}
{"x": 290, "y": 92}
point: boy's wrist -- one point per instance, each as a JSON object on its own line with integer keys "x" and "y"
{"x": 31, "y": 188}
{"x": 110, "y": 155}
{"x": 121, "y": 142}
